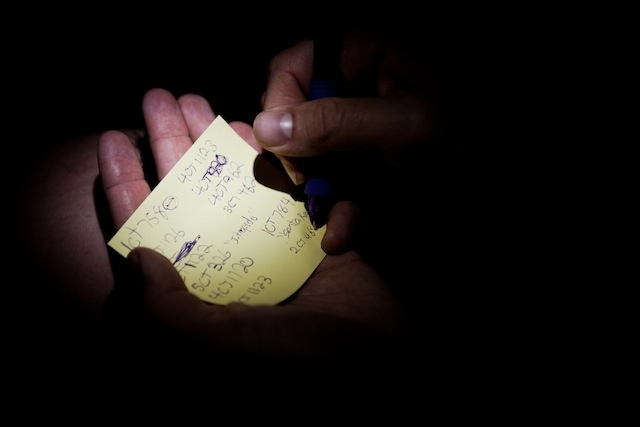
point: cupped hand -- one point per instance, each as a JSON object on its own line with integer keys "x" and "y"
{"x": 343, "y": 304}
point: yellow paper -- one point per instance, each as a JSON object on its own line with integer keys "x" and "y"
{"x": 230, "y": 237}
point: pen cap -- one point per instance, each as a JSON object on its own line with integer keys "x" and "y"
{"x": 326, "y": 66}
{"x": 323, "y": 89}
{"x": 318, "y": 187}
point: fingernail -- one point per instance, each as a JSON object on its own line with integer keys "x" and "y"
{"x": 273, "y": 128}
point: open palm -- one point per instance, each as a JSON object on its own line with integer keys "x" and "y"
{"x": 343, "y": 301}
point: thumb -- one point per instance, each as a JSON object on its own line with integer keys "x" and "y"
{"x": 317, "y": 127}
{"x": 165, "y": 295}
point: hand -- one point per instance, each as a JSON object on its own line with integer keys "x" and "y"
{"x": 344, "y": 304}
{"x": 385, "y": 107}
{"x": 381, "y": 126}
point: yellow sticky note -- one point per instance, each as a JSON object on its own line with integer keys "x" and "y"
{"x": 230, "y": 237}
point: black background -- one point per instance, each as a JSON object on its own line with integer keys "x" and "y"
{"x": 88, "y": 73}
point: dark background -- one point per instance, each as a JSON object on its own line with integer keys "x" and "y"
{"x": 87, "y": 73}
{"x": 88, "y": 78}
{"x": 69, "y": 71}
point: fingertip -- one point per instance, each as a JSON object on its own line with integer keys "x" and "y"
{"x": 154, "y": 268}
{"x": 154, "y": 93}
{"x": 341, "y": 227}
{"x": 139, "y": 259}
{"x": 246, "y": 132}
{"x": 273, "y": 128}
{"x": 164, "y": 294}
{"x": 107, "y": 140}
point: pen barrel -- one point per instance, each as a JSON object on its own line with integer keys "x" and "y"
{"x": 324, "y": 84}
{"x": 323, "y": 89}
{"x": 320, "y": 200}
{"x": 318, "y": 187}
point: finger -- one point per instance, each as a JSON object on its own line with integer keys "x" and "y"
{"x": 233, "y": 329}
{"x": 168, "y": 132}
{"x": 292, "y": 169}
{"x": 122, "y": 175}
{"x": 169, "y": 302}
{"x": 335, "y": 124}
{"x": 246, "y": 132}
{"x": 198, "y": 115}
{"x": 290, "y": 71}
{"x": 165, "y": 295}
{"x": 341, "y": 226}
{"x": 289, "y": 76}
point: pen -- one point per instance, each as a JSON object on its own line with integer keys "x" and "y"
{"x": 324, "y": 83}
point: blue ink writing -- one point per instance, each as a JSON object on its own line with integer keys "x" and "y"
{"x": 185, "y": 249}
{"x": 215, "y": 169}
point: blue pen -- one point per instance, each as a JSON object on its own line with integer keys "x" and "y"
{"x": 324, "y": 83}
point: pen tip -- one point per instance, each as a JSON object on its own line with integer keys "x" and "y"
{"x": 317, "y": 207}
